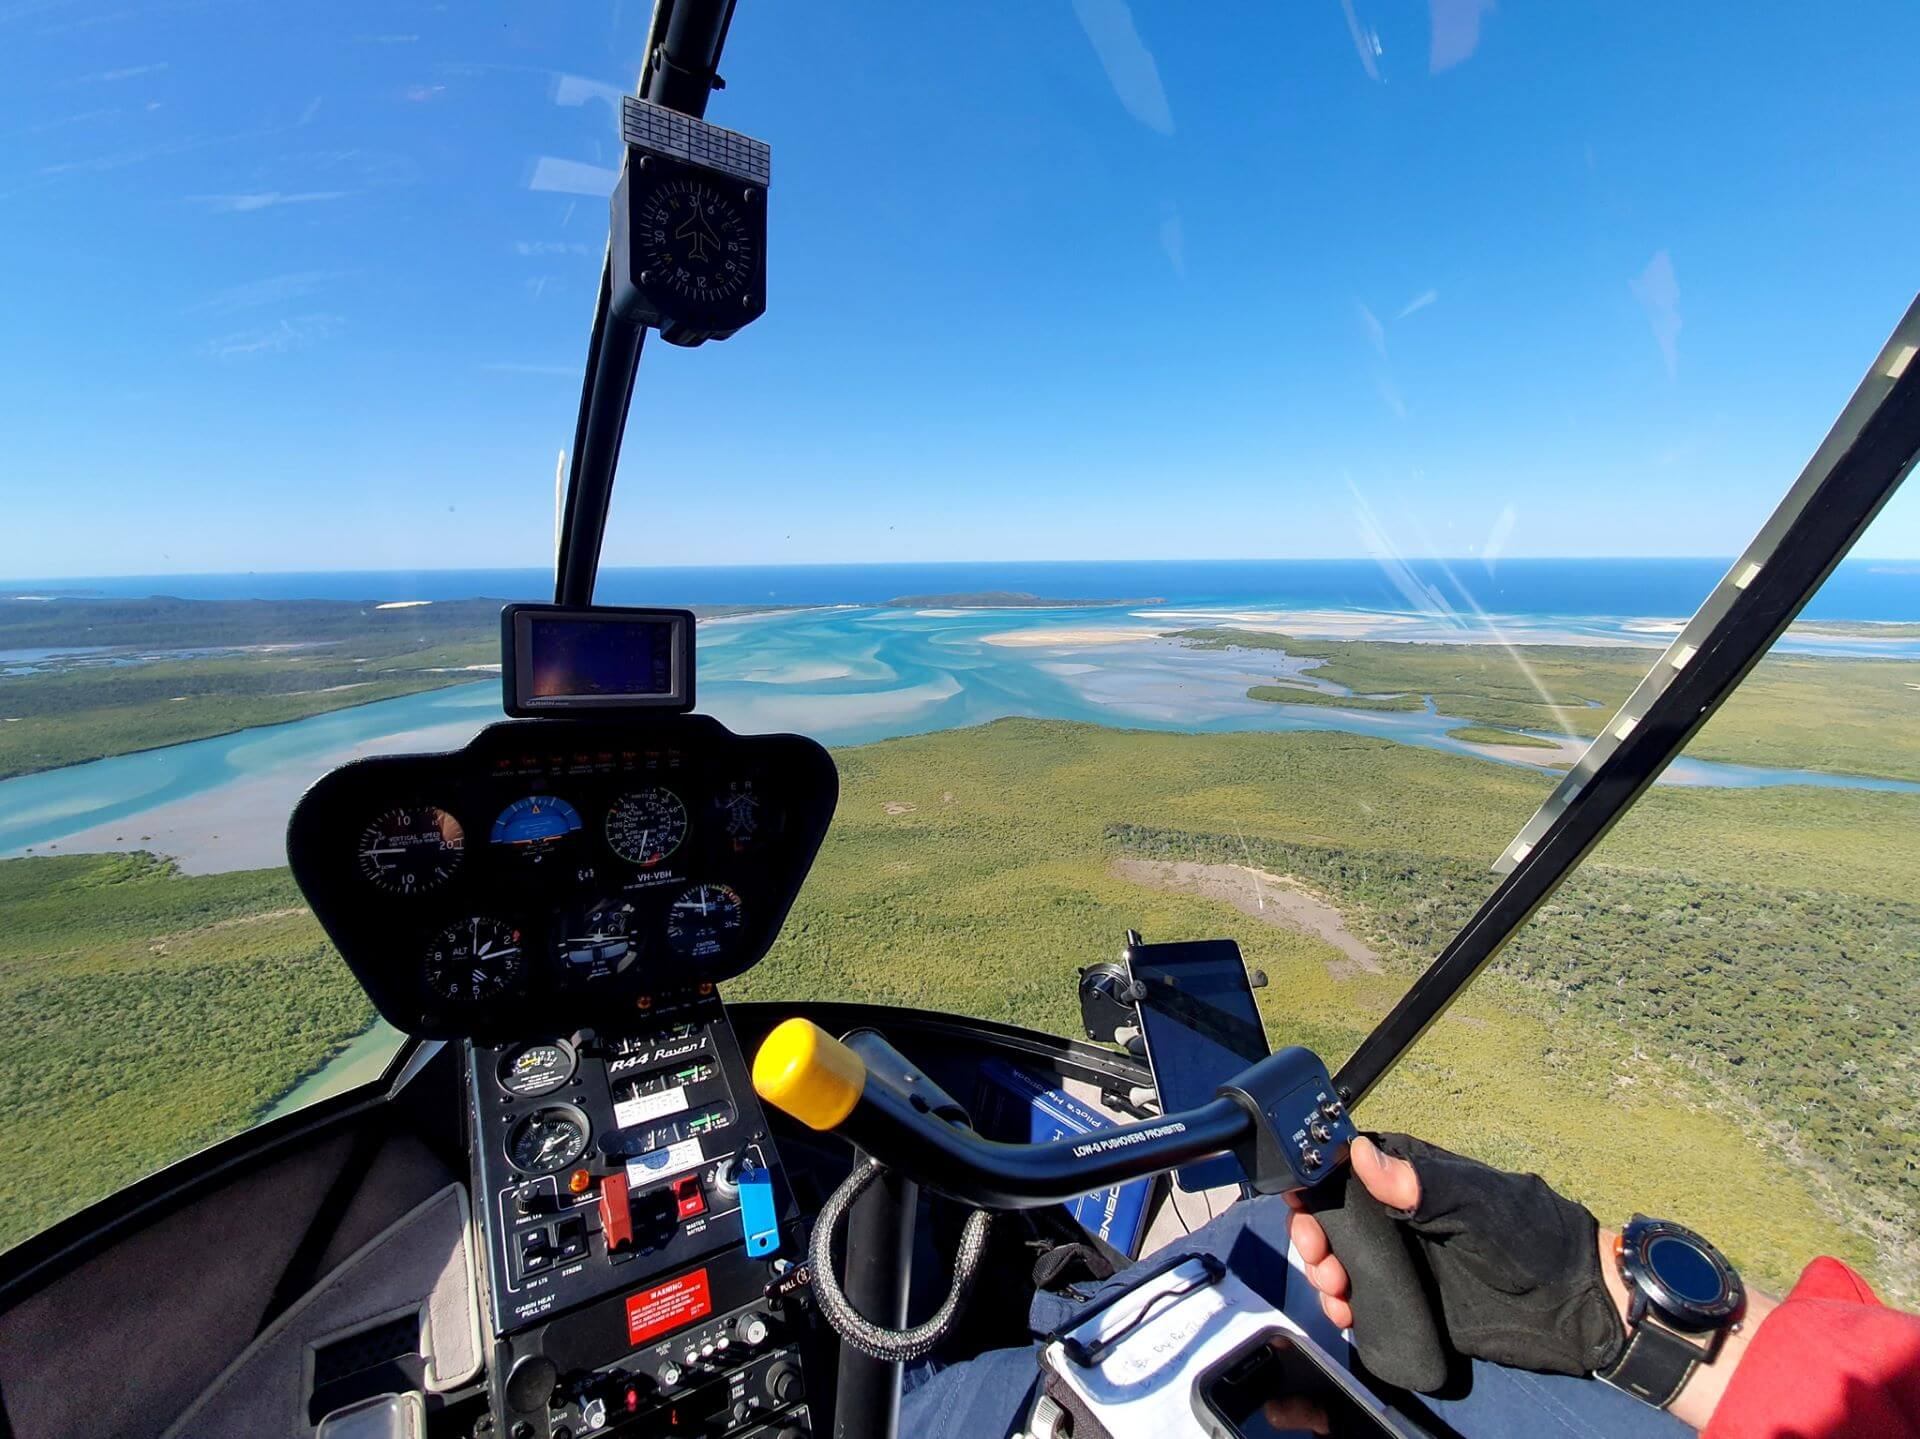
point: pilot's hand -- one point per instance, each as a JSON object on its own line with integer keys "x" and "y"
{"x": 1515, "y": 1266}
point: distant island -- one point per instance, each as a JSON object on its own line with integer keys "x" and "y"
{"x": 1007, "y": 600}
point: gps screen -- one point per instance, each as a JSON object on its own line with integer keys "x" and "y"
{"x": 597, "y": 658}
{"x": 604, "y": 658}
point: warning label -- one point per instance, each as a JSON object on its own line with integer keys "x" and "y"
{"x": 652, "y": 1312}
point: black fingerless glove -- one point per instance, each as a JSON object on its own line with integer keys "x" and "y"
{"x": 1491, "y": 1265}
{"x": 1514, "y": 1265}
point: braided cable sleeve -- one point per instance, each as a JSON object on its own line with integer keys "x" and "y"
{"x": 875, "y": 1340}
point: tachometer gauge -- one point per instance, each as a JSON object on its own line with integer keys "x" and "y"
{"x": 599, "y": 940}
{"x": 473, "y": 960}
{"x": 548, "y": 1139}
{"x": 704, "y": 920}
{"x": 408, "y": 850}
{"x": 742, "y": 820}
{"x": 646, "y": 826}
{"x": 536, "y": 1069}
{"x": 537, "y": 827}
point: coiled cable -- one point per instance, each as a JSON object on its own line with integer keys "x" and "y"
{"x": 876, "y": 1340}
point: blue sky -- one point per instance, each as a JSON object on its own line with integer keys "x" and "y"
{"x": 308, "y": 287}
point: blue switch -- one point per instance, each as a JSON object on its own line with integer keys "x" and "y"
{"x": 758, "y": 1221}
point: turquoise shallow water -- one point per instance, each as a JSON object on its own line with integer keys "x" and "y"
{"x": 845, "y": 676}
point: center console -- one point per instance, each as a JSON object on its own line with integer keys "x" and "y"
{"x": 641, "y": 1241}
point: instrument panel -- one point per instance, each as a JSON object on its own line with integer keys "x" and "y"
{"x": 554, "y": 867}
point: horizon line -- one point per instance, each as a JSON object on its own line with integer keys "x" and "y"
{"x": 12, "y": 582}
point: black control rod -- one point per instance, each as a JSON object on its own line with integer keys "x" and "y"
{"x": 1855, "y": 471}
{"x": 684, "y": 42}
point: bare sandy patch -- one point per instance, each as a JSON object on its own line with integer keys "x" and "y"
{"x": 1270, "y": 898}
{"x": 1564, "y": 752}
{"x": 898, "y": 806}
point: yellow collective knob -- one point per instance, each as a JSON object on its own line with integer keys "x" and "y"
{"x": 806, "y": 1072}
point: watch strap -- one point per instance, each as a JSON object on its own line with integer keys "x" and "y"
{"x": 1655, "y": 1365}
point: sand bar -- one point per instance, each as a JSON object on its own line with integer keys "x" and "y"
{"x": 243, "y": 824}
{"x": 1564, "y": 752}
{"x": 1323, "y": 624}
{"x": 1067, "y": 638}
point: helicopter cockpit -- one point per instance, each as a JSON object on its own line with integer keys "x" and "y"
{"x": 608, "y": 1186}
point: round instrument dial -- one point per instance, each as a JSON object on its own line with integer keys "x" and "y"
{"x": 600, "y": 940}
{"x": 704, "y": 920}
{"x": 647, "y": 826}
{"x": 473, "y": 960}
{"x": 536, "y": 1069}
{"x": 548, "y": 1139}
{"x": 693, "y": 238}
{"x": 537, "y": 827}
{"x": 411, "y": 849}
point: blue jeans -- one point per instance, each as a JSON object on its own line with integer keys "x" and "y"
{"x": 988, "y": 1397}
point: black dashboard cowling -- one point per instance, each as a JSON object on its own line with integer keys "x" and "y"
{"x": 554, "y": 873}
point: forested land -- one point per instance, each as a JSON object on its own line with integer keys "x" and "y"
{"x": 1821, "y": 712}
{"x": 1793, "y": 1008}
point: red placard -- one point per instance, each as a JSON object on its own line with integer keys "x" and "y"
{"x": 652, "y": 1312}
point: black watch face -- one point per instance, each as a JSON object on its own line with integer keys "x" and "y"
{"x": 1683, "y": 1276}
{"x": 695, "y": 240}
{"x": 1687, "y": 1274}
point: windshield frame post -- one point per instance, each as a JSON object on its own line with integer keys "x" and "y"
{"x": 684, "y": 40}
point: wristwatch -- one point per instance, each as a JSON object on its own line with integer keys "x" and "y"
{"x": 1684, "y": 1298}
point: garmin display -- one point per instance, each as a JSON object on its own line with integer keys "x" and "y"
{"x": 556, "y": 659}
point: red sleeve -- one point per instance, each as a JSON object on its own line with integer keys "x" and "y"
{"x": 1830, "y": 1361}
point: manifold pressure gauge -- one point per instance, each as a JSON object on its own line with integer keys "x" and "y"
{"x": 689, "y": 250}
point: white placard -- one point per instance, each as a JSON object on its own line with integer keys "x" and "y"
{"x": 643, "y": 1107}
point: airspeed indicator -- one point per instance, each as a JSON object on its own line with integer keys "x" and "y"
{"x": 647, "y": 826}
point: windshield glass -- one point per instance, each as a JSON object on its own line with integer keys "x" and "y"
{"x": 1203, "y": 478}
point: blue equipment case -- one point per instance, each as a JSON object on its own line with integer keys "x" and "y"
{"x": 1020, "y": 1107}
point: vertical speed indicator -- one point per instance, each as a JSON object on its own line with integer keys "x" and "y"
{"x": 411, "y": 849}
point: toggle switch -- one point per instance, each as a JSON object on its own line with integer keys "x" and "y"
{"x": 688, "y": 1199}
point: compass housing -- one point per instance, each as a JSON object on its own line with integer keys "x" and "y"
{"x": 689, "y": 235}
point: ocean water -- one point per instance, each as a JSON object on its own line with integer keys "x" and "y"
{"x": 1858, "y": 590}
{"x": 846, "y": 674}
